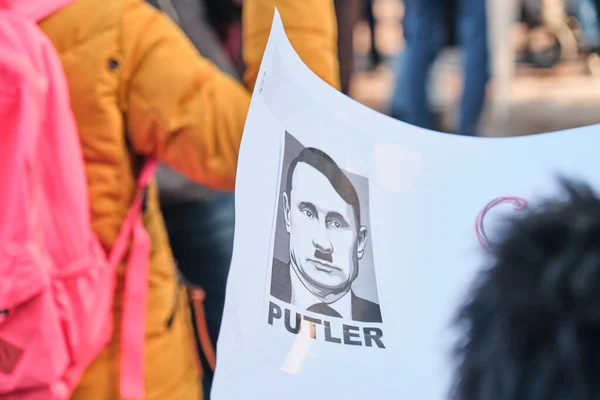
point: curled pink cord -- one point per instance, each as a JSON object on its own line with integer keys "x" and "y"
{"x": 519, "y": 204}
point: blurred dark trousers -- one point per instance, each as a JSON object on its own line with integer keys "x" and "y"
{"x": 201, "y": 236}
{"x": 426, "y": 32}
{"x": 587, "y": 14}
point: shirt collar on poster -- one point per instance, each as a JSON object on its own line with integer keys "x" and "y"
{"x": 303, "y": 299}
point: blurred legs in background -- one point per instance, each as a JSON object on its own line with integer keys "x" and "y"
{"x": 374, "y": 55}
{"x": 426, "y": 33}
{"x": 587, "y": 14}
{"x": 473, "y": 38}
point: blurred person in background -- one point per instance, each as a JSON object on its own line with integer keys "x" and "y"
{"x": 348, "y": 13}
{"x": 225, "y": 18}
{"x": 206, "y": 24}
{"x": 426, "y": 28}
{"x": 140, "y": 89}
{"x": 530, "y": 329}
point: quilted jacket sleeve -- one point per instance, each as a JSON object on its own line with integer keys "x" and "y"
{"x": 310, "y": 26}
{"x": 185, "y": 111}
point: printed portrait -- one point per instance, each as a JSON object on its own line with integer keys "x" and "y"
{"x": 323, "y": 257}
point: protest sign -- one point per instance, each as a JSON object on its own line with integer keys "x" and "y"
{"x": 358, "y": 236}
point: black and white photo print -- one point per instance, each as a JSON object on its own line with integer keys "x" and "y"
{"x": 323, "y": 258}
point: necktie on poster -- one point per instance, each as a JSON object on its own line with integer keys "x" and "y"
{"x": 384, "y": 223}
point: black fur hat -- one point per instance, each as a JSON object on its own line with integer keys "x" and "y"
{"x": 532, "y": 322}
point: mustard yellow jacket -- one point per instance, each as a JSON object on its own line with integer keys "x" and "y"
{"x": 138, "y": 87}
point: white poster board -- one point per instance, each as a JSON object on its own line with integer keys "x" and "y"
{"x": 386, "y": 234}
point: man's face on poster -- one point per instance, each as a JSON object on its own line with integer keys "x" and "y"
{"x": 325, "y": 241}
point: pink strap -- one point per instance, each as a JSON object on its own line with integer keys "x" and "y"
{"x": 133, "y": 331}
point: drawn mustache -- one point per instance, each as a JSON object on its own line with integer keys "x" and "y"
{"x": 323, "y": 256}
